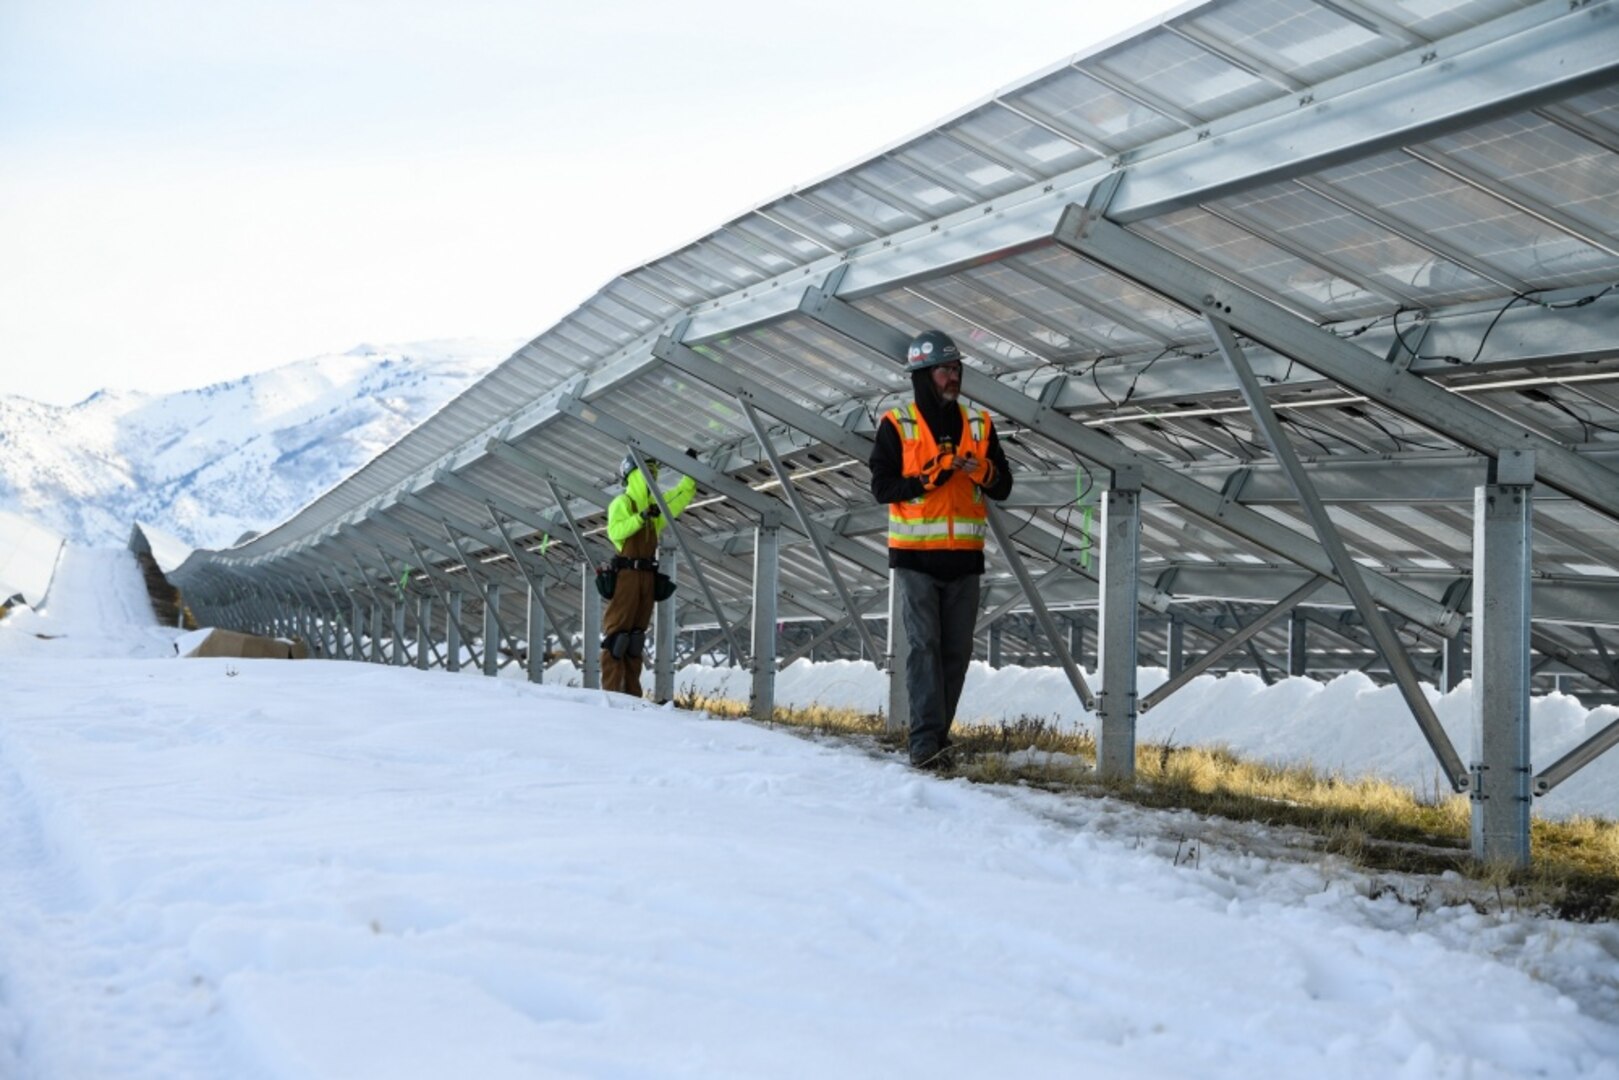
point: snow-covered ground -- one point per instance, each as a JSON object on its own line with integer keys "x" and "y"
{"x": 270, "y": 869}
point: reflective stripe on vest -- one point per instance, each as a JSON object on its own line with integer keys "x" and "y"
{"x": 952, "y": 517}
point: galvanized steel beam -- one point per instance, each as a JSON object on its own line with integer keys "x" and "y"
{"x": 1348, "y": 571}
{"x": 1206, "y": 503}
{"x": 1088, "y": 233}
{"x": 1502, "y": 554}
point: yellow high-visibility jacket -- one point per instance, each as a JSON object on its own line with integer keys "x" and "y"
{"x": 624, "y": 512}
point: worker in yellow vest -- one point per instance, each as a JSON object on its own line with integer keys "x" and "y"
{"x": 634, "y": 524}
{"x": 935, "y": 463}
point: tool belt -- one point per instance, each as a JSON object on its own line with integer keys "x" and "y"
{"x": 621, "y": 563}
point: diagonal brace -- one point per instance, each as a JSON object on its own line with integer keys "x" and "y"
{"x": 1347, "y": 569}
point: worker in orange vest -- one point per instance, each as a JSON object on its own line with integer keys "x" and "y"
{"x": 935, "y": 463}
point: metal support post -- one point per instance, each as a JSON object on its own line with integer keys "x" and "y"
{"x": 536, "y": 632}
{"x": 1501, "y": 573}
{"x": 1076, "y": 641}
{"x": 1298, "y": 645}
{"x": 1453, "y": 667}
{"x": 590, "y": 629}
{"x": 766, "y": 573}
{"x": 399, "y": 657}
{"x": 424, "y": 630}
{"x": 491, "y": 628}
{"x": 663, "y": 629}
{"x": 376, "y": 656}
{"x": 1177, "y": 645}
{"x": 452, "y": 632}
{"x": 896, "y": 661}
{"x": 997, "y": 654}
{"x": 356, "y": 625}
{"x": 1121, "y": 560}
{"x": 1348, "y": 572}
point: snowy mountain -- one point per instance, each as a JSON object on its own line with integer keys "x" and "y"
{"x": 208, "y": 465}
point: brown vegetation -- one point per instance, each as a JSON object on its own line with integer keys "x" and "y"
{"x": 1373, "y": 823}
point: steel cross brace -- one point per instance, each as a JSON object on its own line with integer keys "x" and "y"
{"x": 1591, "y": 668}
{"x": 824, "y": 430}
{"x": 496, "y": 505}
{"x": 536, "y": 588}
{"x": 807, "y": 526}
{"x": 415, "y": 542}
{"x": 1348, "y": 571}
{"x": 585, "y": 552}
{"x": 487, "y": 579}
{"x": 714, "y": 557}
{"x": 471, "y": 531}
{"x": 395, "y": 625}
{"x": 1059, "y": 644}
{"x": 534, "y": 519}
{"x": 1084, "y": 231}
{"x": 451, "y": 609}
{"x": 764, "y": 506}
{"x": 1203, "y": 501}
{"x": 374, "y": 608}
{"x": 1250, "y": 647}
{"x": 1243, "y": 636}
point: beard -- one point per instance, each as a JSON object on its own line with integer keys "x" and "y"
{"x": 949, "y": 394}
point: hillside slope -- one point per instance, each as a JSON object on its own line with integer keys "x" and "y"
{"x": 210, "y": 464}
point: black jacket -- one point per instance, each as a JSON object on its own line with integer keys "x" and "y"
{"x": 889, "y": 486}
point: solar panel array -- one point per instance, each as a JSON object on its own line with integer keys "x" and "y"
{"x": 1433, "y": 185}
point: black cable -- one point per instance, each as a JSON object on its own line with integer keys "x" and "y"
{"x": 1399, "y": 336}
{"x": 1517, "y": 298}
{"x": 1098, "y": 383}
{"x": 1300, "y": 428}
{"x": 1131, "y": 390}
{"x": 1535, "y": 394}
{"x": 1400, "y": 442}
{"x": 1241, "y": 442}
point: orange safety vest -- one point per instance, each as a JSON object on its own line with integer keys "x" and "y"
{"x": 951, "y": 517}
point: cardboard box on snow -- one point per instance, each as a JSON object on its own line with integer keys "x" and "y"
{"x": 212, "y": 641}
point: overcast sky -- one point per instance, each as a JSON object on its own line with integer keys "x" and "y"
{"x": 194, "y": 189}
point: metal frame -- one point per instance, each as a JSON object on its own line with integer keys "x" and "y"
{"x": 1350, "y": 427}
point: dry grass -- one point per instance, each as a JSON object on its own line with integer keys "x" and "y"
{"x": 1373, "y": 823}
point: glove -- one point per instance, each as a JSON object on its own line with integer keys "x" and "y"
{"x": 691, "y": 453}
{"x": 650, "y": 512}
{"x": 939, "y": 471}
{"x": 980, "y": 471}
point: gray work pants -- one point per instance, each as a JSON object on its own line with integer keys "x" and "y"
{"x": 939, "y": 618}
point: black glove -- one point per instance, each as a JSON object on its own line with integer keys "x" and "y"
{"x": 691, "y": 453}
{"x": 650, "y": 512}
